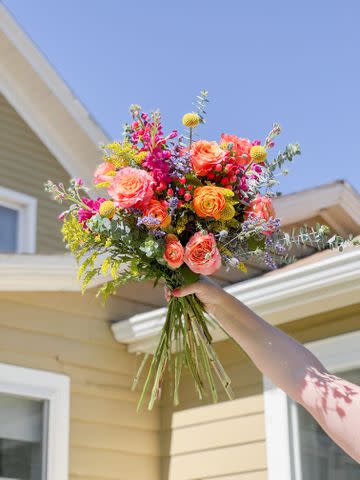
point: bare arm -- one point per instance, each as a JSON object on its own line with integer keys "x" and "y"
{"x": 332, "y": 401}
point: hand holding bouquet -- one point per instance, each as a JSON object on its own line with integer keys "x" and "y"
{"x": 173, "y": 209}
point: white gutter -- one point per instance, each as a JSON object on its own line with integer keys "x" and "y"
{"x": 332, "y": 282}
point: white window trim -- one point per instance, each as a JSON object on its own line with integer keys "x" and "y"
{"x": 337, "y": 353}
{"x": 26, "y": 206}
{"x": 55, "y": 388}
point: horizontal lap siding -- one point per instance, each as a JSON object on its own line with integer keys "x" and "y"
{"x": 108, "y": 439}
{"x": 221, "y": 441}
{"x": 25, "y": 165}
{"x": 226, "y": 441}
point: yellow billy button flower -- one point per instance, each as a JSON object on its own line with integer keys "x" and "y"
{"x": 191, "y": 120}
{"x": 258, "y": 154}
{"x": 107, "y": 209}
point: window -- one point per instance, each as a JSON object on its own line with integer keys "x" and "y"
{"x": 34, "y": 424}
{"x": 17, "y": 222}
{"x": 297, "y": 447}
{"x": 22, "y": 438}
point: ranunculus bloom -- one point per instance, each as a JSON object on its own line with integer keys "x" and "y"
{"x": 201, "y": 254}
{"x": 205, "y": 155}
{"x": 241, "y": 148}
{"x": 261, "y": 208}
{"x": 209, "y": 201}
{"x": 104, "y": 173}
{"x": 131, "y": 187}
{"x": 158, "y": 209}
{"x": 174, "y": 251}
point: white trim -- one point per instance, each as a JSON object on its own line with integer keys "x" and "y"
{"x": 55, "y": 388}
{"x": 299, "y": 206}
{"x": 282, "y": 296}
{"x": 337, "y": 353}
{"x": 26, "y": 206}
{"x": 38, "y": 273}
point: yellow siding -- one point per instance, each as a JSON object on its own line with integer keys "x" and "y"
{"x": 25, "y": 165}
{"x": 226, "y": 441}
{"x": 108, "y": 439}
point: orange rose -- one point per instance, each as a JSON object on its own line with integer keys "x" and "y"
{"x": 201, "y": 254}
{"x": 241, "y": 148}
{"x": 131, "y": 187}
{"x": 158, "y": 209}
{"x": 261, "y": 208}
{"x": 209, "y": 201}
{"x": 174, "y": 251}
{"x": 205, "y": 155}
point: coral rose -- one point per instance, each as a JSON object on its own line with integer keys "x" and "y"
{"x": 131, "y": 187}
{"x": 209, "y": 201}
{"x": 158, "y": 209}
{"x": 241, "y": 148}
{"x": 205, "y": 155}
{"x": 174, "y": 251}
{"x": 261, "y": 208}
{"x": 201, "y": 254}
{"x": 104, "y": 173}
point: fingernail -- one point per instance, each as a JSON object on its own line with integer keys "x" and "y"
{"x": 175, "y": 292}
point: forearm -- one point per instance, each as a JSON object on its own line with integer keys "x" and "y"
{"x": 279, "y": 357}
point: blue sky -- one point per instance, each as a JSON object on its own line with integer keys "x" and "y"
{"x": 292, "y": 62}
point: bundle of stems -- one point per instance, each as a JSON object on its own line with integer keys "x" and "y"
{"x": 185, "y": 341}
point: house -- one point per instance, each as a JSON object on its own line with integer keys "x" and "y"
{"x": 67, "y": 363}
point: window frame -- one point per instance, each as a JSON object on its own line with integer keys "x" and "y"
{"x": 55, "y": 389}
{"x": 338, "y": 353}
{"x": 26, "y": 206}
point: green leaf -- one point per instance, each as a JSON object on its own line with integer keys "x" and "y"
{"x": 188, "y": 276}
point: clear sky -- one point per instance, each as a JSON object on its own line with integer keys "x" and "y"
{"x": 295, "y": 62}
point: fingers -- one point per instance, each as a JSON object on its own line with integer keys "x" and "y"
{"x": 167, "y": 294}
{"x": 186, "y": 290}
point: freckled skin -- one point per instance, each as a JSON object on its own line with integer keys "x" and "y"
{"x": 332, "y": 401}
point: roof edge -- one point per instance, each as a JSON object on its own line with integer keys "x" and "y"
{"x": 331, "y": 283}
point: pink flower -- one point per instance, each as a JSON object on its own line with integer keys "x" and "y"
{"x": 201, "y": 254}
{"x": 79, "y": 182}
{"x": 262, "y": 208}
{"x": 104, "y": 173}
{"x": 132, "y": 187}
{"x": 174, "y": 251}
{"x": 85, "y": 214}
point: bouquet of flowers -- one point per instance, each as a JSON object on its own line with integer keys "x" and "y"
{"x": 175, "y": 208}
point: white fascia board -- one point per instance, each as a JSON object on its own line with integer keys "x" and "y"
{"x": 298, "y": 206}
{"x": 38, "y": 273}
{"x": 280, "y": 297}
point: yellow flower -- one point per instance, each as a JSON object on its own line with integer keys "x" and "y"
{"x": 107, "y": 209}
{"x": 122, "y": 154}
{"x": 258, "y": 154}
{"x": 242, "y": 267}
{"x": 228, "y": 212}
{"x": 191, "y": 120}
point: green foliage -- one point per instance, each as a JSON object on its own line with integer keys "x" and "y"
{"x": 288, "y": 154}
{"x": 200, "y": 105}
